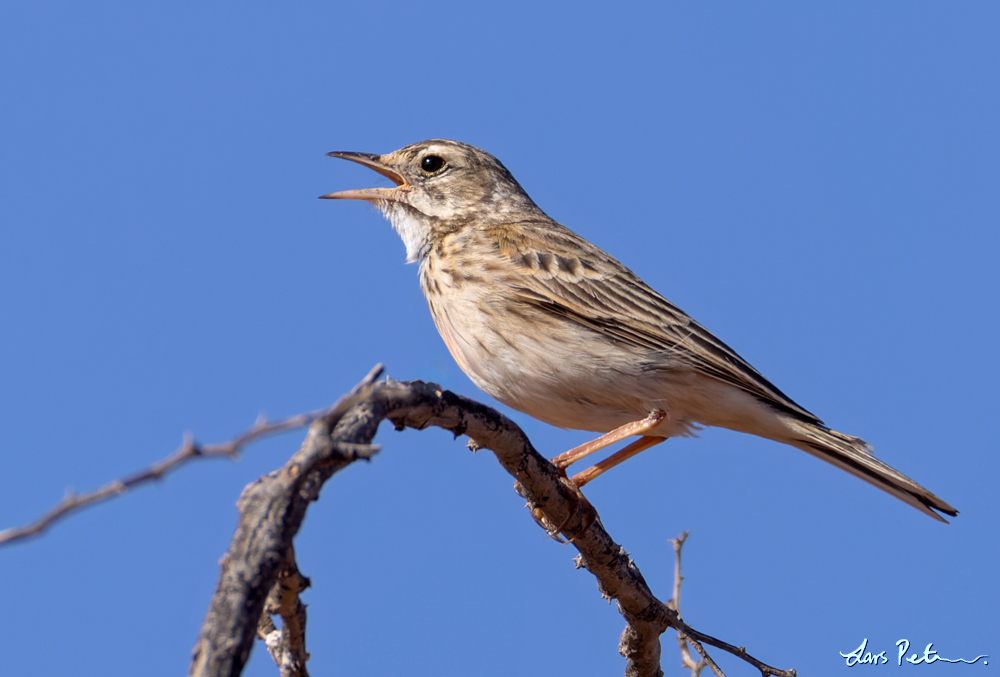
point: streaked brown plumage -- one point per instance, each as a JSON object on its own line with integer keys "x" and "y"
{"x": 553, "y": 326}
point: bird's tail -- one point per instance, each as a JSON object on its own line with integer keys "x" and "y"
{"x": 855, "y": 456}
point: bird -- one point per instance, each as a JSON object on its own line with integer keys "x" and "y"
{"x": 553, "y": 326}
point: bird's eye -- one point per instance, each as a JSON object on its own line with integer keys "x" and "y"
{"x": 432, "y": 163}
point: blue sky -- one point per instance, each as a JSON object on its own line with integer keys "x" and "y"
{"x": 817, "y": 184}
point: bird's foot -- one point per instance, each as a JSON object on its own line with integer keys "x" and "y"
{"x": 580, "y": 514}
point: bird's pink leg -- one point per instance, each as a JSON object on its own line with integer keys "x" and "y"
{"x": 575, "y": 454}
{"x": 614, "y": 459}
{"x": 570, "y": 457}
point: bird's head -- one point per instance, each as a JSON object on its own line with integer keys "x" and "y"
{"x": 441, "y": 186}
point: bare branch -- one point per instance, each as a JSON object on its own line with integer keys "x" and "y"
{"x": 272, "y": 509}
{"x": 189, "y": 450}
{"x": 684, "y": 632}
{"x": 695, "y": 666}
{"x": 696, "y": 638}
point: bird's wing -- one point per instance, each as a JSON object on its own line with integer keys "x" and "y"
{"x": 565, "y": 275}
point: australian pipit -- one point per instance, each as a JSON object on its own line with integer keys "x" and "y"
{"x": 553, "y": 326}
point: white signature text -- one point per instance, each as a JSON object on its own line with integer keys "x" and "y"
{"x": 861, "y": 656}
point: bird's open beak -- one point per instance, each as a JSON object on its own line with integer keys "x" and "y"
{"x": 371, "y": 161}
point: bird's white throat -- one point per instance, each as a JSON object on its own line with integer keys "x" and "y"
{"x": 414, "y": 231}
